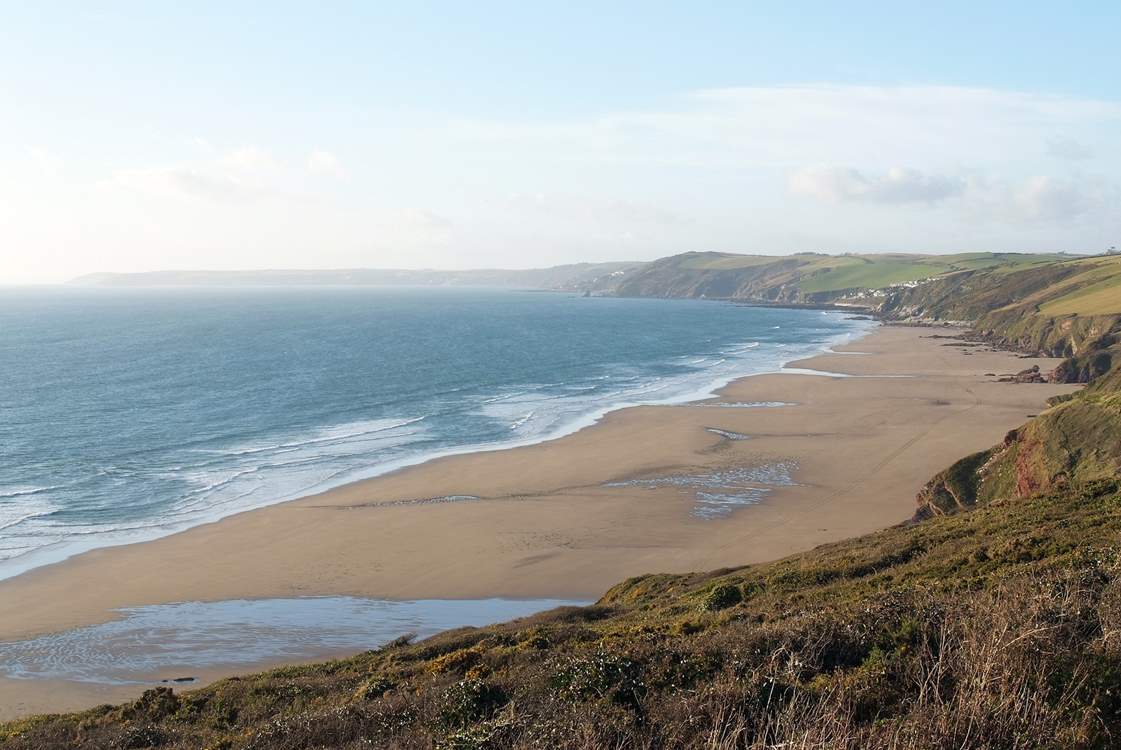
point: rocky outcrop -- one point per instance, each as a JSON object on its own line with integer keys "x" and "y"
{"x": 1084, "y": 367}
{"x": 1077, "y": 439}
{"x": 953, "y": 489}
{"x": 1030, "y": 375}
{"x": 693, "y": 275}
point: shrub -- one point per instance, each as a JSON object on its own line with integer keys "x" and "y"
{"x": 722, "y": 596}
{"x": 601, "y": 675}
{"x": 469, "y": 701}
{"x": 373, "y": 688}
{"x": 457, "y": 661}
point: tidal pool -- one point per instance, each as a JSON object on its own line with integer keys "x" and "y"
{"x": 169, "y": 642}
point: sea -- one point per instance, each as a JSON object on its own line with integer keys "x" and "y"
{"x": 130, "y": 414}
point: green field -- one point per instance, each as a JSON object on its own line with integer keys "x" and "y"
{"x": 811, "y": 277}
{"x": 879, "y": 271}
{"x": 816, "y": 273}
{"x": 725, "y": 261}
{"x": 869, "y": 273}
{"x": 1097, "y": 291}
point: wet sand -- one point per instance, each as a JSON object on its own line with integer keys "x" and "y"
{"x": 545, "y": 525}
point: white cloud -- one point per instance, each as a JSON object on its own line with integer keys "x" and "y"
{"x": 897, "y": 185}
{"x": 790, "y": 126}
{"x": 588, "y": 209}
{"x": 324, "y": 162}
{"x": 244, "y": 174}
{"x": 1050, "y": 199}
{"x": 1069, "y": 149}
{"x": 45, "y": 161}
{"x": 189, "y": 182}
{"x": 1040, "y": 198}
{"x": 249, "y": 159}
{"x": 937, "y": 168}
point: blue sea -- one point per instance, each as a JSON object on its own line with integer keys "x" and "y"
{"x": 126, "y": 415}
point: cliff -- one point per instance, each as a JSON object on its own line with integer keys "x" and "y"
{"x": 1066, "y": 308}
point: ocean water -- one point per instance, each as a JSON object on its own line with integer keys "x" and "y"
{"x": 126, "y": 415}
{"x": 167, "y": 642}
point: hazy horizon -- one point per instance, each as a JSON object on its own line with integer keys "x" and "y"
{"x": 434, "y": 136}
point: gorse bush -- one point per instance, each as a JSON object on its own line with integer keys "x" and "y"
{"x": 470, "y": 701}
{"x": 722, "y": 596}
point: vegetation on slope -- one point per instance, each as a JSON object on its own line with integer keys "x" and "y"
{"x": 1077, "y": 439}
{"x": 995, "y": 628}
{"x": 1069, "y": 308}
{"x": 805, "y": 278}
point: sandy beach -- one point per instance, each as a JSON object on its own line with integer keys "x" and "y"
{"x": 545, "y": 524}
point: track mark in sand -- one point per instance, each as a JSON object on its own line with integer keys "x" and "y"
{"x": 905, "y": 445}
{"x": 890, "y": 456}
{"x": 534, "y": 559}
{"x": 440, "y": 500}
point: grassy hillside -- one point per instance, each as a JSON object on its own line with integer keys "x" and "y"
{"x": 805, "y": 278}
{"x": 1068, "y": 308}
{"x": 1052, "y": 288}
{"x": 1077, "y": 439}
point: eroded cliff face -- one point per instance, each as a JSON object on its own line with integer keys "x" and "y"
{"x": 1077, "y": 439}
{"x": 1052, "y": 336}
{"x": 969, "y": 296}
{"x": 1023, "y": 310}
{"x": 773, "y": 282}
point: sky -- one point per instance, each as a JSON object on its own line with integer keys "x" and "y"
{"x": 155, "y": 135}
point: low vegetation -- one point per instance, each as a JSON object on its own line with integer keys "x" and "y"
{"x": 807, "y": 278}
{"x": 1068, "y": 308}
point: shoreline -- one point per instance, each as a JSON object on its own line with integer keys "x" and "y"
{"x": 45, "y": 558}
{"x": 548, "y": 524}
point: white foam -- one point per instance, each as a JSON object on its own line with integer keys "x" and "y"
{"x": 829, "y": 374}
{"x": 727, "y": 434}
{"x": 748, "y": 404}
{"x": 8, "y": 520}
{"x": 251, "y": 474}
{"x": 24, "y": 491}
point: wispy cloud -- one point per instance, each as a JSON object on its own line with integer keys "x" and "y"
{"x": 871, "y": 127}
{"x": 190, "y": 183}
{"x": 324, "y": 162}
{"x": 249, "y": 159}
{"x": 769, "y": 169}
{"x": 1051, "y": 199}
{"x": 590, "y": 209}
{"x": 897, "y": 185}
{"x": 244, "y": 174}
{"x": 1069, "y": 149}
{"x": 1039, "y": 198}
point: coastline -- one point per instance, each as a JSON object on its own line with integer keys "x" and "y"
{"x": 545, "y": 522}
{"x": 706, "y": 386}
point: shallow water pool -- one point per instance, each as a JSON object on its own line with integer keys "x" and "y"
{"x": 166, "y": 642}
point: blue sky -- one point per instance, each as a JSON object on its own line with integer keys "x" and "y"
{"x": 145, "y": 135}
